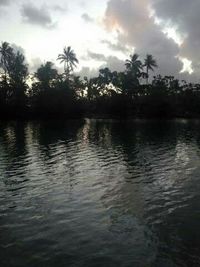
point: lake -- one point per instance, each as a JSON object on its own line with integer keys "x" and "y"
{"x": 100, "y": 193}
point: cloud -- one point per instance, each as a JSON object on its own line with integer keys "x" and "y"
{"x": 184, "y": 15}
{"x": 59, "y": 8}
{"x": 37, "y": 16}
{"x": 95, "y": 56}
{"x": 116, "y": 46}
{"x": 4, "y": 7}
{"x": 87, "y": 72}
{"x": 4, "y": 2}
{"x": 87, "y": 18}
{"x": 114, "y": 64}
{"x": 35, "y": 63}
{"x": 18, "y": 48}
{"x": 135, "y": 23}
{"x": 83, "y": 4}
{"x": 136, "y": 28}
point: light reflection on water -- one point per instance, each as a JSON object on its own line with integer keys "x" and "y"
{"x": 99, "y": 193}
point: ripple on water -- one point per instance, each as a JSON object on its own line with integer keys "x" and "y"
{"x": 99, "y": 193}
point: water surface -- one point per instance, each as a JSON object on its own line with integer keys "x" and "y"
{"x": 100, "y": 193}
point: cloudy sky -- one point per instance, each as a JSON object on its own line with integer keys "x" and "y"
{"x": 106, "y": 32}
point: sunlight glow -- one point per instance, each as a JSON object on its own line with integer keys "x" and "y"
{"x": 169, "y": 31}
{"x": 173, "y": 34}
{"x": 187, "y": 66}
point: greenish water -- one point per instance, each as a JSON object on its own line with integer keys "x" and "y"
{"x": 100, "y": 193}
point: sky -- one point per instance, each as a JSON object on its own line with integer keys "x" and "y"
{"x": 105, "y": 32}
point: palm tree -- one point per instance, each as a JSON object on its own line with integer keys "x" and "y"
{"x": 134, "y": 65}
{"x": 69, "y": 59}
{"x": 150, "y": 63}
{"x": 6, "y": 53}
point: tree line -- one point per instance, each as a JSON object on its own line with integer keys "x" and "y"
{"x": 129, "y": 93}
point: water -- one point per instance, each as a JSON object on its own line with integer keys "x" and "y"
{"x": 100, "y": 193}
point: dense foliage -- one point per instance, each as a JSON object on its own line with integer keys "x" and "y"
{"x": 129, "y": 93}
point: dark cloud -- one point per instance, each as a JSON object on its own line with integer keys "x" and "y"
{"x": 37, "y": 15}
{"x": 114, "y": 64}
{"x": 116, "y": 46}
{"x": 168, "y": 9}
{"x": 87, "y": 18}
{"x": 4, "y": 2}
{"x": 95, "y": 56}
{"x": 131, "y": 19}
{"x": 184, "y": 15}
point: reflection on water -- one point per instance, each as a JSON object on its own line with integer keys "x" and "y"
{"x": 100, "y": 193}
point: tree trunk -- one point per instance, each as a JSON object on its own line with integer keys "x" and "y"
{"x": 147, "y": 79}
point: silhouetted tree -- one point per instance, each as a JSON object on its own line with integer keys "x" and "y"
{"x": 6, "y": 52}
{"x": 18, "y": 72}
{"x": 70, "y": 60}
{"x": 78, "y": 86}
{"x": 150, "y": 64}
{"x": 13, "y": 80}
{"x": 115, "y": 93}
{"x": 46, "y": 74}
{"x": 105, "y": 81}
{"x": 134, "y": 65}
{"x": 133, "y": 73}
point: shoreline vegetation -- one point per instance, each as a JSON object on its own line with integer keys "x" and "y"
{"x": 126, "y": 94}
